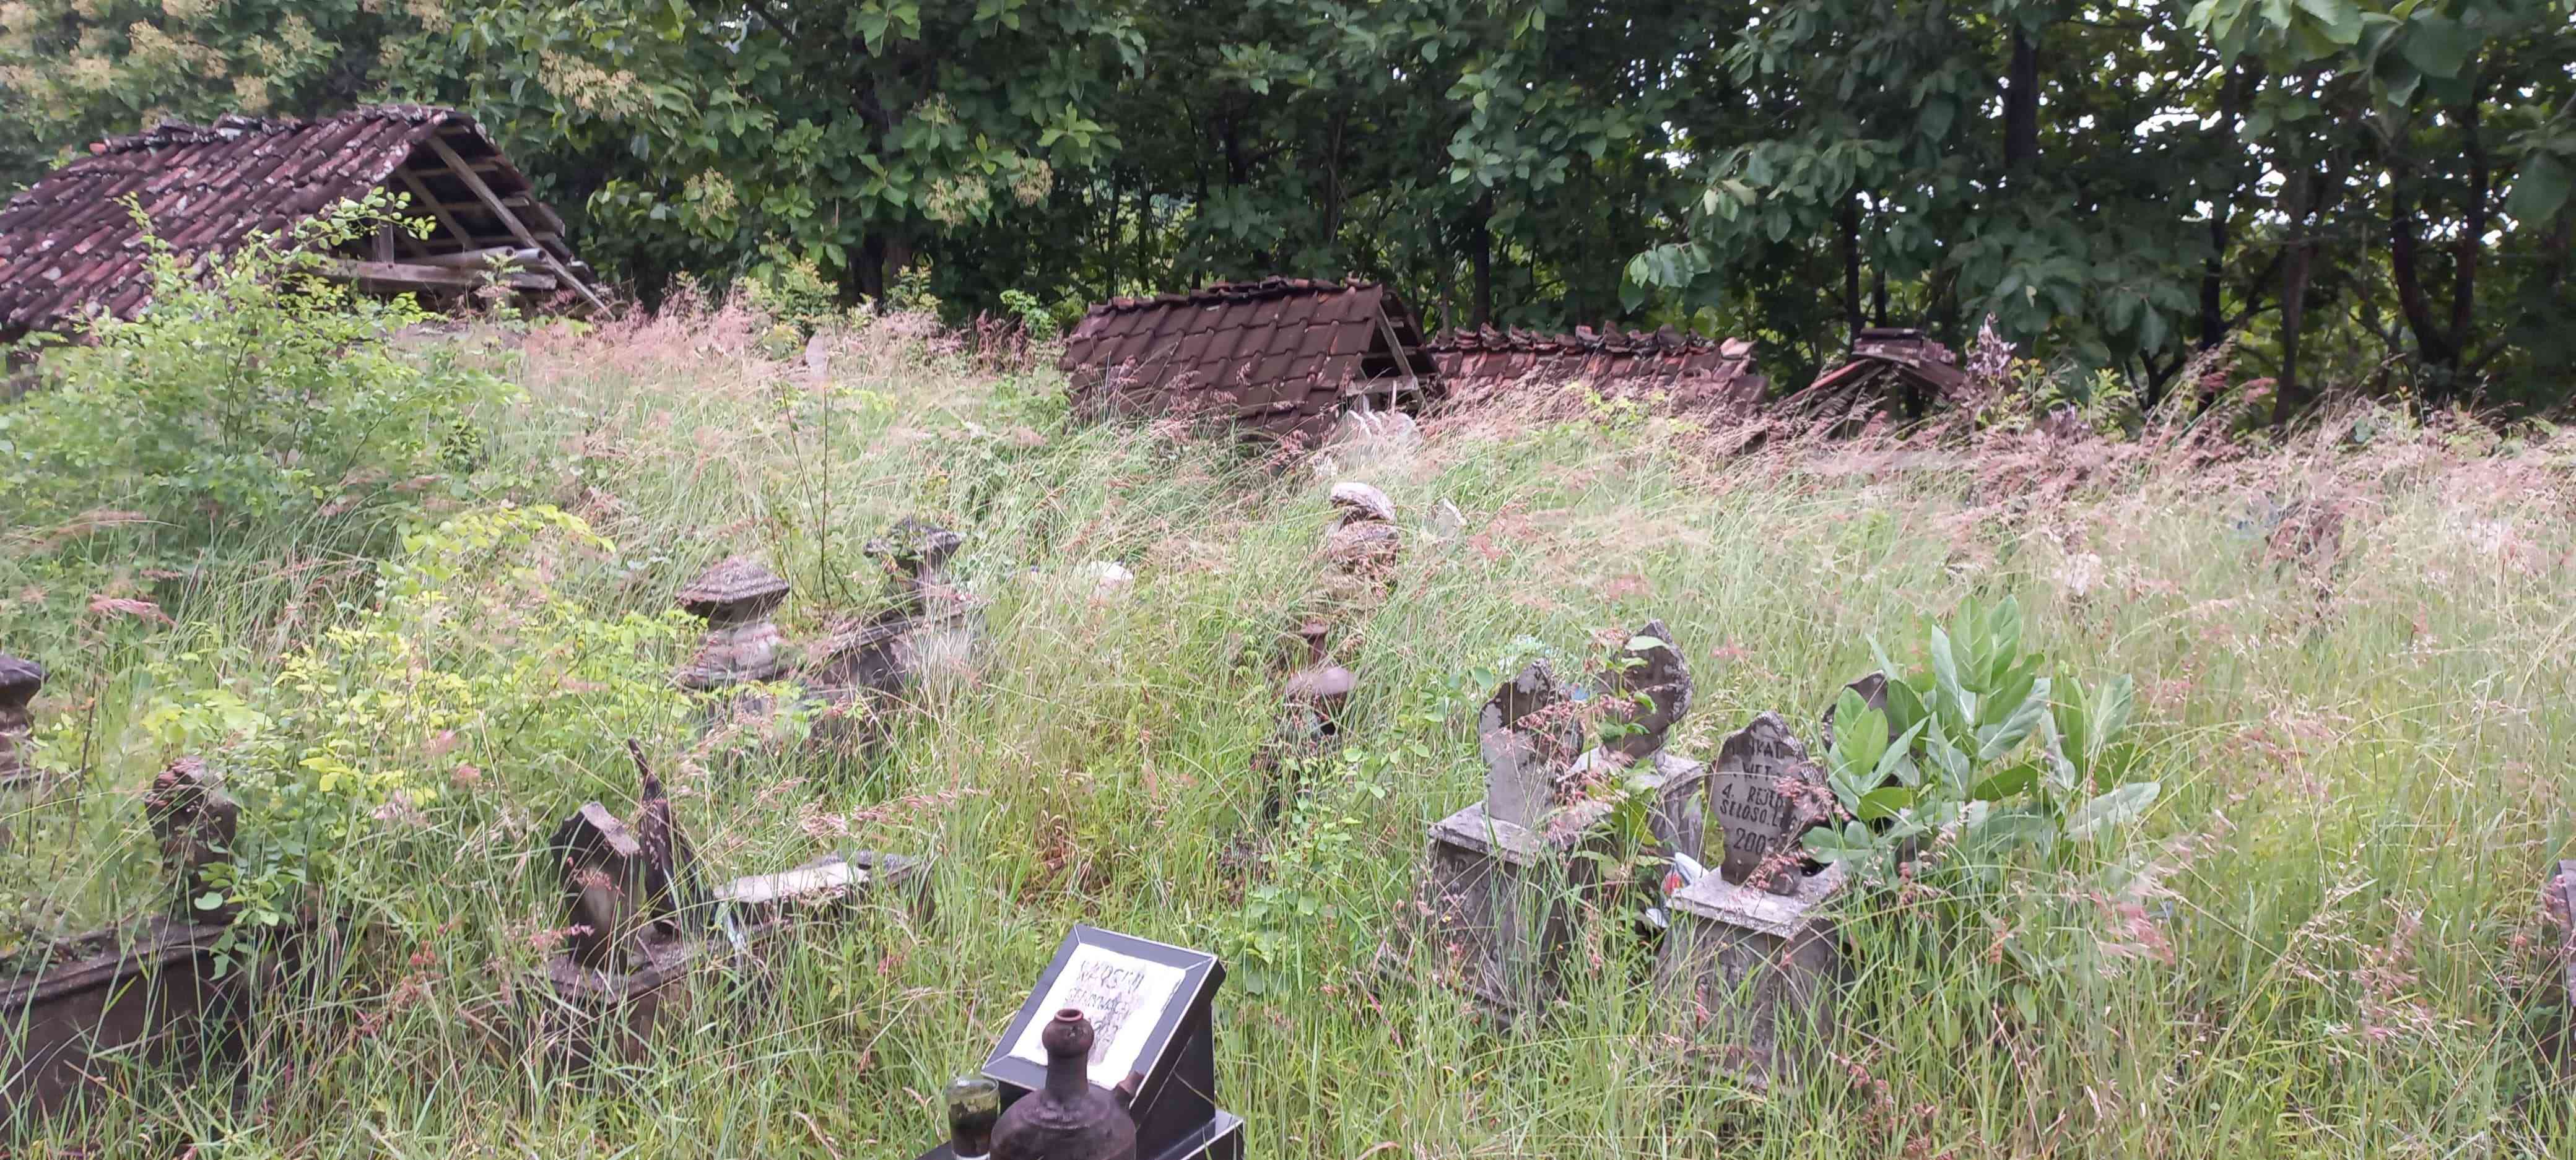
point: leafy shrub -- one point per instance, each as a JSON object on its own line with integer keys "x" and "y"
{"x": 1956, "y": 768}
{"x": 472, "y": 677}
{"x": 254, "y": 394}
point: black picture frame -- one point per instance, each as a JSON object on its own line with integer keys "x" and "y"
{"x": 1171, "y": 1088}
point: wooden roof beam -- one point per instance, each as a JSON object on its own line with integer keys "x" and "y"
{"x": 492, "y": 200}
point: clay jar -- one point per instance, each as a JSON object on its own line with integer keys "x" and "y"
{"x": 1070, "y": 1118}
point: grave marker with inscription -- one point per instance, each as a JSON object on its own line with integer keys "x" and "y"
{"x": 1752, "y": 961}
{"x": 1149, "y": 1006}
{"x": 1764, "y": 792}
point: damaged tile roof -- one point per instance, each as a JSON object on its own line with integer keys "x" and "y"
{"x": 1886, "y": 364}
{"x": 1696, "y": 373}
{"x": 69, "y": 244}
{"x": 1277, "y": 357}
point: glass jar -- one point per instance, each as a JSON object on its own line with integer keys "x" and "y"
{"x": 974, "y": 1103}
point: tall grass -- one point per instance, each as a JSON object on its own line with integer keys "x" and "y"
{"x": 2362, "y": 762}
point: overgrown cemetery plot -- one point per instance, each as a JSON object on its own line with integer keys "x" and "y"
{"x": 692, "y": 743}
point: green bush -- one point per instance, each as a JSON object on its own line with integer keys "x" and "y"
{"x": 253, "y": 395}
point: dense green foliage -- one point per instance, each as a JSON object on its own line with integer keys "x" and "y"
{"x": 256, "y": 396}
{"x": 2367, "y": 194}
{"x": 2319, "y": 936}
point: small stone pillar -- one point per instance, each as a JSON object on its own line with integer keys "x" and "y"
{"x": 735, "y": 598}
{"x": 1363, "y": 542}
{"x": 1311, "y": 701}
{"x": 1752, "y": 961}
{"x": 20, "y": 681}
{"x": 1499, "y": 892}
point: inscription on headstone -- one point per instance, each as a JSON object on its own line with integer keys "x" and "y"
{"x": 1764, "y": 792}
{"x": 1122, "y": 995}
{"x": 1525, "y": 745}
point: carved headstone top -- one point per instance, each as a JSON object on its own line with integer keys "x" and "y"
{"x": 1653, "y": 688}
{"x": 1765, "y": 793}
{"x": 603, "y": 880}
{"x": 915, "y": 545}
{"x": 620, "y": 880}
{"x": 1528, "y": 739}
{"x": 1359, "y": 501}
{"x": 736, "y": 588}
{"x": 19, "y": 681}
{"x": 1873, "y": 693}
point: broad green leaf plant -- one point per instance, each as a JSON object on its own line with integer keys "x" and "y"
{"x": 1982, "y": 753}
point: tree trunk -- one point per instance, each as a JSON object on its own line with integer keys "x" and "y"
{"x": 2213, "y": 273}
{"x": 1851, "y": 267}
{"x": 2021, "y": 103}
{"x": 1481, "y": 252}
{"x": 2290, "y": 396}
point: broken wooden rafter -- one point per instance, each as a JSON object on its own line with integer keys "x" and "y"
{"x": 519, "y": 229}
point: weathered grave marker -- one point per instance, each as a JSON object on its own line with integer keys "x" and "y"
{"x": 1363, "y": 541}
{"x": 2563, "y": 900}
{"x": 1652, "y": 687}
{"x": 197, "y": 822}
{"x": 927, "y": 635}
{"x": 735, "y": 597}
{"x": 152, "y": 992}
{"x": 1151, "y": 1056}
{"x": 1503, "y": 876}
{"x": 1752, "y": 960}
{"x": 20, "y": 681}
{"x": 1873, "y": 693}
{"x": 1765, "y": 793}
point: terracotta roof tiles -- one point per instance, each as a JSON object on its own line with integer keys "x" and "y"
{"x": 1278, "y": 356}
{"x": 69, "y": 244}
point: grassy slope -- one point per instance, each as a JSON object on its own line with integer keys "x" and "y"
{"x": 2360, "y": 803}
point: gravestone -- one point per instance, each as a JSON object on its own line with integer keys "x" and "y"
{"x": 1363, "y": 542}
{"x": 1309, "y": 725}
{"x": 629, "y": 894}
{"x": 1765, "y": 792}
{"x": 1653, "y": 687}
{"x": 1873, "y": 693}
{"x": 166, "y": 990}
{"x": 2564, "y": 902}
{"x": 20, "y": 681}
{"x": 1504, "y": 876}
{"x": 735, "y": 597}
{"x": 925, "y": 636}
{"x": 196, "y": 822}
{"x": 1151, "y": 1006}
{"x": 1752, "y": 959}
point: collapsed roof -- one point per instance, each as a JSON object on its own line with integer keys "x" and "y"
{"x": 69, "y": 245}
{"x": 1280, "y": 357}
{"x": 1887, "y": 367}
{"x": 1698, "y": 374}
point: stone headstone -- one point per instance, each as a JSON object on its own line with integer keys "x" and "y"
{"x": 735, "y": 597}
{"x": 2565, "y": 904}
{"x": 1765, "y": 793}
{"x": 20, "y": 680}
{"x": 1527, "y": 742}
{"x": 196, "y": 822}
{"x": 1873, "y": 693}
{"x": 1654, "y": 690}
